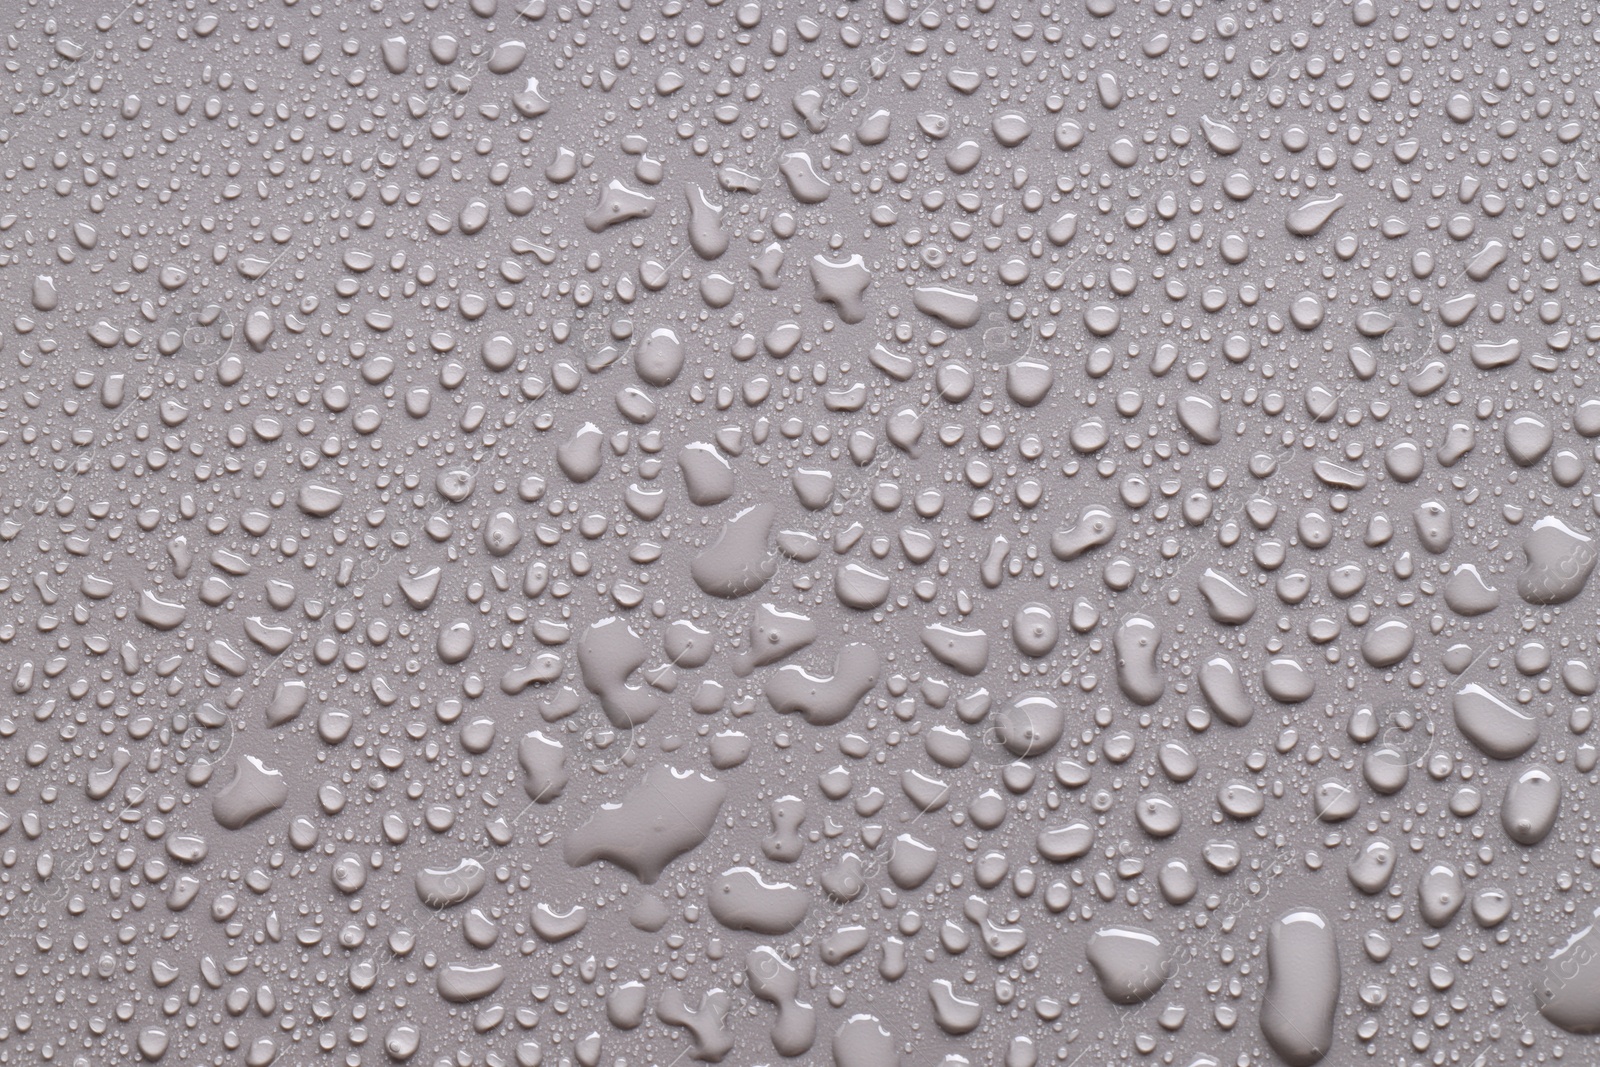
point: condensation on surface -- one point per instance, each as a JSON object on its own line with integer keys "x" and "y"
{"x": 617, "y": 532}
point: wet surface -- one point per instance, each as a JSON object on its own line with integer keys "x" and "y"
{"x": 900, "y": 533}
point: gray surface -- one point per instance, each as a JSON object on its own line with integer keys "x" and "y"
{"x": 604, "y": 534}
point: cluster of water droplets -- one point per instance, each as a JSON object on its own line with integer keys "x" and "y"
{"x": 620, "y": 532}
